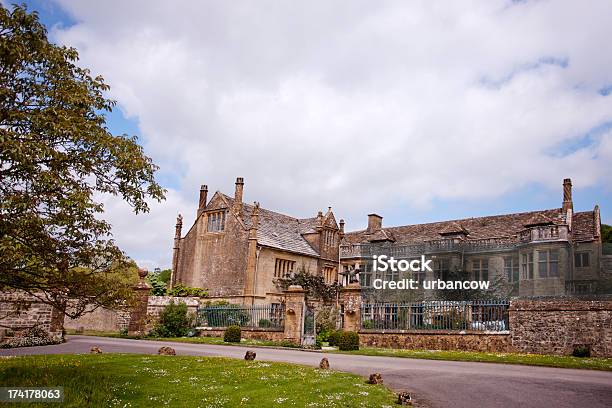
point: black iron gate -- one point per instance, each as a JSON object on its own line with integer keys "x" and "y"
{"x": 309, "y": 329}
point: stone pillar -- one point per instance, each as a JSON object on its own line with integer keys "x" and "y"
{"x": 350, "y": 298}
{"x": 294, "y": 313}
{"x": 176, "y": 250}
{"x": 138, "y": 315}
{"x": 251, "y": 270}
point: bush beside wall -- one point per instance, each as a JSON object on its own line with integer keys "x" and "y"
{"x": 232, "y": 334}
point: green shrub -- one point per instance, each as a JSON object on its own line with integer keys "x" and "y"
{"x": 173, "y": 321}
{"x": 158, "y": 288}
{"x": 348, "y": 341}
{"x": 368, "y": 324}
{"x": 182, "y": 291}
{"x": 232, "y": 334}
{"x": 582, "y": 351}
{"x": 265, "y": 323}
{"x": 334, "y": 337}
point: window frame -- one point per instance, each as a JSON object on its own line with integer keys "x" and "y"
{"x": 548, "y": 263}
{"x": 480, "y": 269}
{"x": 582, "y": 256}
{"x": 511, "y": 268}
{"x": 215, "y": 221}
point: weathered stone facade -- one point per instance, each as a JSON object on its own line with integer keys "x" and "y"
{"x": 238, "y": 252}
{"x": 553, "y": 252}
{"x": 20, "y": 312}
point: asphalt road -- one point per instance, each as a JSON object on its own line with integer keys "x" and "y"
{"x": 432, "y": 383}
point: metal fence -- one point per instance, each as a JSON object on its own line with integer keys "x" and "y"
{"x": 271, "y": 316}
{"x": 437, "y": 315}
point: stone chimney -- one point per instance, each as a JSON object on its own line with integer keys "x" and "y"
{"x": 341, "y": 232}
{"x": 374, "y": 223}
{"x": 203, "y": 197}
{"x": 567, "y": 195}
{"x": 238, "y": 194}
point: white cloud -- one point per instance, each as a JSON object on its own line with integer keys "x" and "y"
{"x": 338, "y": 103}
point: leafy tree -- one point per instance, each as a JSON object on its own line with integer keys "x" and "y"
{"x": 164, "y": 276}
{"x": 57, "y": 159}
{"x": 158, "y": 288}
{"x": 606, "y": 233}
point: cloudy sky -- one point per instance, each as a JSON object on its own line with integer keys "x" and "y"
{"x": 424, "y": 111}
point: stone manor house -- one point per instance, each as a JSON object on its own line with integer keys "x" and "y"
{"x": 239, "y": 251}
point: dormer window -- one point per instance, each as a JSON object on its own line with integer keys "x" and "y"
{"x": 329, "y": 237}
{"x": 216, "y": 221}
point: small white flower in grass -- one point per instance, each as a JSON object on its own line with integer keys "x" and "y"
{"x": 280, "y": 400}
{"x": 364, "y": 393}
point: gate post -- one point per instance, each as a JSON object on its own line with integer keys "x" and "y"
{"x": 294, "y": 313}
{"x": 138, "y": 315}
{"x": 350, "y": 298}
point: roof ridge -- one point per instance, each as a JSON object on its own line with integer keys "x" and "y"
{"x": 464, "y": 219}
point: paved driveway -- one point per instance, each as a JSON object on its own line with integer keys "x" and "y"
{"x": 433, "y": 383}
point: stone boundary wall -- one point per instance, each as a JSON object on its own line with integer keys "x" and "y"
{"x": 558, "y": 326}
{"x": 252, "y": 334}
{"x": 107, "y": 320}
{"x": 101, "y": 319}
{"x": 20, "y": 311}
{"x": 157, "y": 303}
{"x": 486, "y": 342}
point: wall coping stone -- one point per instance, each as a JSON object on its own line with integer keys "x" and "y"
{"x": 560, "y": 305}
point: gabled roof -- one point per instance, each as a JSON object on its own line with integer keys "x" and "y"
{"x": 584, "y": 227}
{"x": 496, "y": 226}
{"x": 277, "y": 230}
{"x": 453, "y": 228}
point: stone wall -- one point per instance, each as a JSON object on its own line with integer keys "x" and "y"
{"x": 253, "y": 334}
{"x": 20, "y": 311}
{"x": 157, "y": 303}
{"x": 557, "y": 326}
{"x": 435, "y": 340}
{"x": 100, "y": 319}
{"x": 107, "y": 320}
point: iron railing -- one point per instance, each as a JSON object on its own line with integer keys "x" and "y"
{"x": 478, "y": 315}
{"x": 271, "y": 316}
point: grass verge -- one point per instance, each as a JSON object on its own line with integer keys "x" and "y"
{"x": 595, "y": 363}
{"x": 128, "y": 380}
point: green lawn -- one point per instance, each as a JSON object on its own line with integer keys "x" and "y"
{"x": 128, "y": 380}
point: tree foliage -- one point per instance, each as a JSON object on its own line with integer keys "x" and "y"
{"x": 57, "y": 161}
{"x": 314, "y": 285}
{"x": 164, "y": 276}
{"x": 606, "y": 233}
